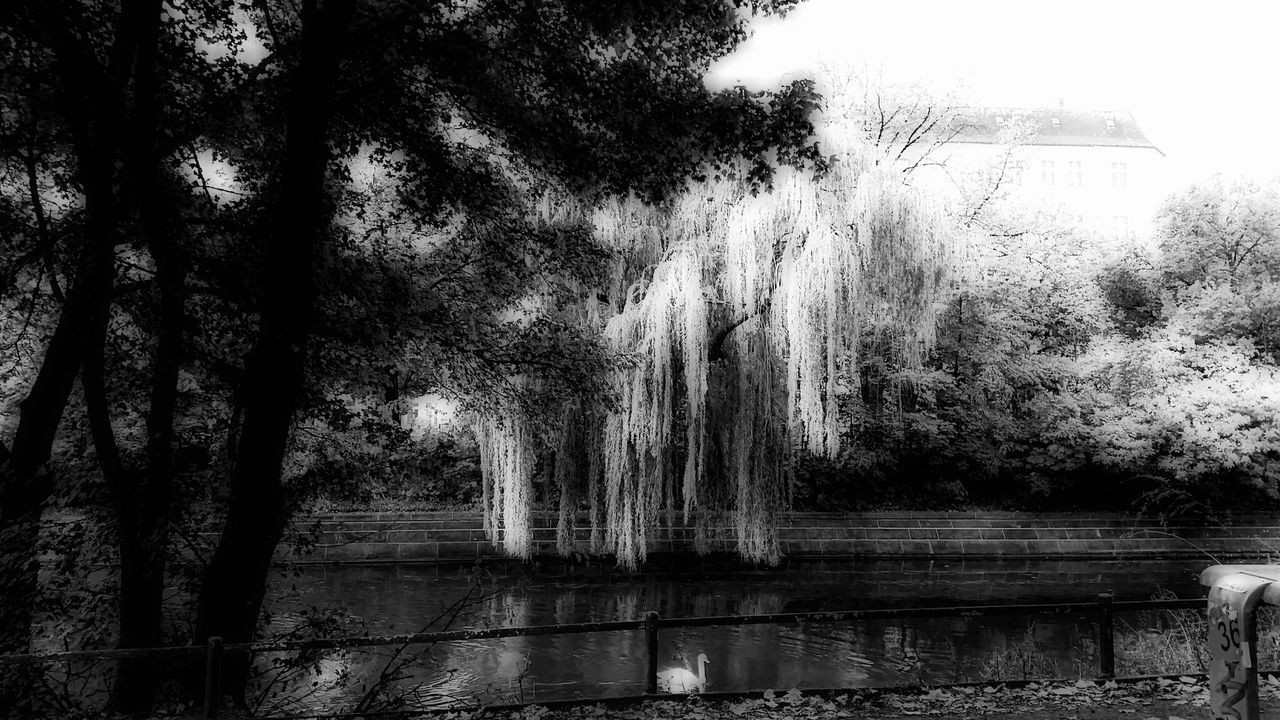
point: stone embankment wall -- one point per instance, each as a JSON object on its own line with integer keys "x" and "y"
{"x": 457, "y": 536}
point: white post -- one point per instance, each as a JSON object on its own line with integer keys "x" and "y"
{"x": 1233, "y": 664}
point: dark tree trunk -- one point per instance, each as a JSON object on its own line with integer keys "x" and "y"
{"x": 235, "y": 581}
{"x": 26, "y": 482}
{"x": 144, "y": 499}
{"x": 144, "y": 502}
{"x": 96, "y": 102}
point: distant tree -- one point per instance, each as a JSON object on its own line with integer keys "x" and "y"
{"x": 1186, "y": 427}
{"x": 1131, "y": 289}
{"x": 1218, "y": 231}
{"x": 903, "y": 126}
{"x": 1221, "y": 259}
{"x": 1022, "y": 304}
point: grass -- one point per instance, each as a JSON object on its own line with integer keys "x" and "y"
{"x": 1157, "y": 642}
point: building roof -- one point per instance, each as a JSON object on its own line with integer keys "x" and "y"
{"x": 1056, "y": 126}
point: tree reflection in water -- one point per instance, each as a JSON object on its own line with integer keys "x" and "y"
{"x": 859, "y": 653}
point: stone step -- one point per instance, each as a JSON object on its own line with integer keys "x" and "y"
{"x": 1213, "y": 549}
{"x": 801, "y": 521}
{"x": 397, "y": 533}
{"x": 458, "y": 537}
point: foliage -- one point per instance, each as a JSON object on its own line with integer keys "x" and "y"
{"x": 1132, "y": 292}
{"x": 1069, "y": 374}
{"x": 1198, "y": 417}
{"x": 1166, "y": 641}
{"x": 983, "y": 419}
{"x": 541, "y": 212}
{"x": 1163, "y": 698}
{"x": 734, "y": 332}
{"x": 1218, "y": 231}
{"x": 1019, "y": 659}
{"x": 346, "y": 470}
{"x": 1220, "y": 245}
{"x": 1252, "y": 312}
{"x": 246, "y": 311}
{"x": 437, "y": 476}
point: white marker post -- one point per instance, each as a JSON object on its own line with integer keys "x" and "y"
{"x": 1235, "y": 591}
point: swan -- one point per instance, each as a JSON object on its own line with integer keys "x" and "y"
{"x": 680, "y": 680}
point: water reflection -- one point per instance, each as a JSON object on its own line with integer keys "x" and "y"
{"x": 815, "y": 655}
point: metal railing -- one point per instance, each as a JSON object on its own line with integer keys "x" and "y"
{"x": 1103, "y": 608}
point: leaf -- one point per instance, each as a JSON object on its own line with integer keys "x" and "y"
{"x": 1064, "y": 691}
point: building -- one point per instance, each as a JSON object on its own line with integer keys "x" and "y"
{"x": 1095, "y": 168}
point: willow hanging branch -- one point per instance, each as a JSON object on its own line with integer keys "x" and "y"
{"x": 785, "y": 286}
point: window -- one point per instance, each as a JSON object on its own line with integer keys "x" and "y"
{"x": 1111, "y": 125}
{"x": 1017, "y": 169}
{"x": 1119, "y": 174}
{"x": 1047, "y": 172}
{"x": 1120, "y": 226}
{"x": 1056, "y": 122}
{"x": 1074, "y": 176}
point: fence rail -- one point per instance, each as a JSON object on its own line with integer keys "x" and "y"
{"x": 1104, "y": 608}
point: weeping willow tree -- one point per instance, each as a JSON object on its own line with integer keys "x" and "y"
{"x": 738, "y": 320}
{"x": 506, "y": 462}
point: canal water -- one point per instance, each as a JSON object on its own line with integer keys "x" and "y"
{"x": 393, "y": 599}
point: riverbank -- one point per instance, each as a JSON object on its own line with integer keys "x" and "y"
{"x": 1182, "y": 698}
{"x": 455, "y": 536}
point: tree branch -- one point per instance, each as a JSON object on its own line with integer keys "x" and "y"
{"x": 715, "y": 349}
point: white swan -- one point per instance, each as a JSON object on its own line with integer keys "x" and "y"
{"x": 680, "y": 680}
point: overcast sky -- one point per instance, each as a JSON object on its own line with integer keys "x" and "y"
{"x": 1202, "y": 79}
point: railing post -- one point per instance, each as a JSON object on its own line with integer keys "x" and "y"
{"x": 213, "y": 677}
{"x": 651, "y": 646}
{"x": 1106, "y": 637}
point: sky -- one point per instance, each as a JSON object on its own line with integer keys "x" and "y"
{"x": 1202, "y": 79}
